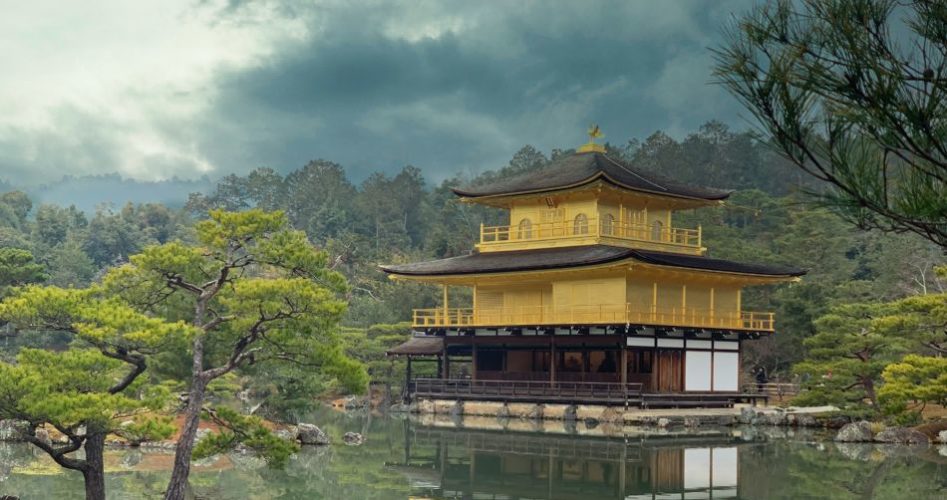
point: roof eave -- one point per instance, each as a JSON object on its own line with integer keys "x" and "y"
{"x": 472, "y": 196}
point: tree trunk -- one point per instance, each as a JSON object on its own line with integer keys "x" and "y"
{"x": 869, "y": 386}
{"x": 177, "y": 487}
{"x": 94, "y": 471}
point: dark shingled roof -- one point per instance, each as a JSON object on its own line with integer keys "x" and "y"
{"x": 565, "y": 257}
{"x": 582, "y": 168}
{"x": 418, "y": 346}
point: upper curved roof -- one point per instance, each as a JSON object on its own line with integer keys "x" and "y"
{"x": 582, "y": 168}
{"x": 577, "y": 256}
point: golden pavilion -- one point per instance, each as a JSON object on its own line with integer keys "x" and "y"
{"x": 590, "y": 294}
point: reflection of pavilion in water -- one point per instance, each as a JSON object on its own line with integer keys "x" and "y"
{"x": 444, "y": 463}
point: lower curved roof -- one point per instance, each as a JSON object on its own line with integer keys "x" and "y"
{"x": 418, "y": 346}
{"x": 578, "y": 256}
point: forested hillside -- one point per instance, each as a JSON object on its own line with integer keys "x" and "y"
{"x": 400, "y": 218}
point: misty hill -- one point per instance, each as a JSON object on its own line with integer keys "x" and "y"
{"x": 87, "y": 192}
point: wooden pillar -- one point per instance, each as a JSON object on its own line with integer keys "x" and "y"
{"x": 655, "y": 370}
{"x": 624, "y": 364}
{"x": 475, "y": 314}
{"x": 446, "y": 365}
{"x": 654, "y": 301}
{"x": 738, "y": 321}
{"x": 684, "y": 304}
{"x": 552, "y": 360}
{"x": 440, "y": 366}
{"x": 407, "y": 380}
{"x": 473, "y": 362}
{"x": 712, "y": 306}
{"x": 444, "y": 289}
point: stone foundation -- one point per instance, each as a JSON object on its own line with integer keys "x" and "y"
{"x": 607, "y": 418}
{"x": 485, "y": 408}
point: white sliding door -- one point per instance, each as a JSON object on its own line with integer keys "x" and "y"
{"x": 726, "y": 371}
{"x": 697, "y": 371}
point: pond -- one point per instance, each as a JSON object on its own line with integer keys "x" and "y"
{"x": 403, "y": 459}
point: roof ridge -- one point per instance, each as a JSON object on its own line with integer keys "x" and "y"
{"x": 632, "y": 172}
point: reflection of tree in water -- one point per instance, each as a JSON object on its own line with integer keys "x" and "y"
{"x": 400, "y": 459}
{"x": 786, "y": 469}
{"x": 13, "y": 455}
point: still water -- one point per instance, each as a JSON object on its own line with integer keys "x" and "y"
{"x": 406, "y": 459}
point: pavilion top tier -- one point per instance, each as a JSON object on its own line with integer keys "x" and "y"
{"x": 589, "y": 198}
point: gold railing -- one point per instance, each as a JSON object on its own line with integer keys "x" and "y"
{"x": 597, "y": 314}
{"x": 670, "y": 236}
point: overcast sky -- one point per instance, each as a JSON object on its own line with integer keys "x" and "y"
{"x": 155, "y": 89}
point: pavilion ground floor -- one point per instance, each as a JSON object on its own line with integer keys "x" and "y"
{"x": 578, "y": 369}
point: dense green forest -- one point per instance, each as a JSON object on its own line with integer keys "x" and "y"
{"x": 386, "y": 219}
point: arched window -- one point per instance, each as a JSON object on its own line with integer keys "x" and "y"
{"x": 608, "y": 224}
{"x": 657, "y": 231}
{"x": 525, "y": 230}
{"x": 581, "y": 224}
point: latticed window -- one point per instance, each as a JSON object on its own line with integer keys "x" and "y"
{"x": 525, "y": 230}
{"x": 581, "y": 224}
{"x": 608, "y": 224}
{"x": 553, "y": 215}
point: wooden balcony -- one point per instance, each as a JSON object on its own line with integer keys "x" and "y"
{"x": 592, "y": 231}
{"x": 603, "y": 314}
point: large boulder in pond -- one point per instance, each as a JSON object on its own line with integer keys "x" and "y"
{"x": 855, "y": 432}
{"x": 901, "y": 435}
{"x": 310, "y": 434}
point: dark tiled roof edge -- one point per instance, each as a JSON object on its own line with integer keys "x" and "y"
{"x": 583, "y": 168}
{"x": 560, "y": 258}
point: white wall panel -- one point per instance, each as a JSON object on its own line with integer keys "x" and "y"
{"x": 640, "y": 341}
{"x": 726, "y": 345}
{"x": 697, "y": 371}
{"x": 699, "y": 344}
{"x": 671, "y": 343}
{"x": 726, "y": 371}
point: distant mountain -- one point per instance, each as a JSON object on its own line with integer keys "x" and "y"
{"x": 88, "y": 192}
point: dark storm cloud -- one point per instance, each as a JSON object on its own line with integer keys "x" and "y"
{"x": 212, "y": 88}
{"x": 468, "y": 98}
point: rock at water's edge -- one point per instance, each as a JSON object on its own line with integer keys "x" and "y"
{"x": 855, "y": 432}
{"x": 310, "y": 434}
{"x": 901, "y": 435}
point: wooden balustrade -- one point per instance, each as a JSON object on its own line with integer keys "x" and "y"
{"x": 593, "y": 314}
{"x": 670, "y": 237}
